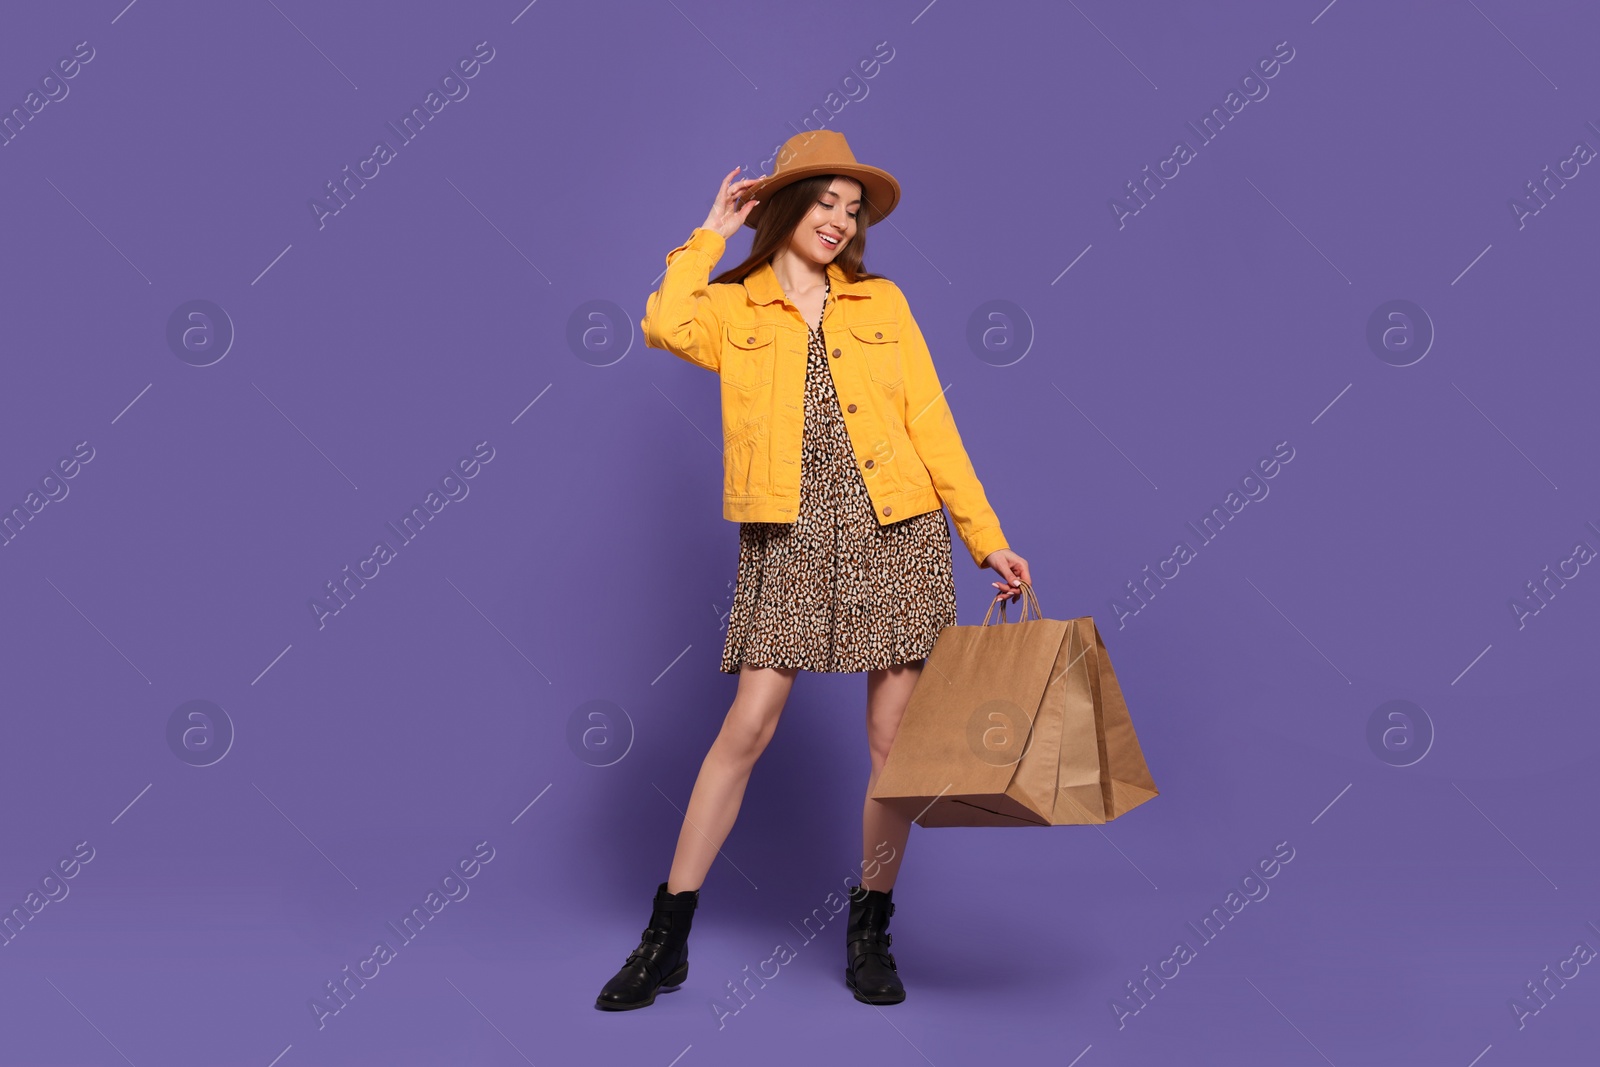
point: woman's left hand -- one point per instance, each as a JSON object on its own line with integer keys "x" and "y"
{"x": 1011, "y": 567}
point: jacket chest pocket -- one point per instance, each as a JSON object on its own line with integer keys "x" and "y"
{"x": 879, "y": 343}
{"x": 748, "y": 355}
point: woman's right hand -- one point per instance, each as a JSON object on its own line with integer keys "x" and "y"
{"x": 726, "y": 217}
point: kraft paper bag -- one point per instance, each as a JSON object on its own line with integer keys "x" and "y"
{"x": 1016, "y": 724}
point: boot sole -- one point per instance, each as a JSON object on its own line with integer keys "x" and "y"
{"x": 670, "y": 984}
{"x": 849, "y": 980}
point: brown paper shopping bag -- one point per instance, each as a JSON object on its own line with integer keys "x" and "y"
{"x": 1016, "y": 724}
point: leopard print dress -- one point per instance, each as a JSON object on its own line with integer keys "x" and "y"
{"x": 833, "y": 591}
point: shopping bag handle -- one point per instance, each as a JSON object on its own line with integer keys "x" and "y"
{"x": 1028, "y": 598}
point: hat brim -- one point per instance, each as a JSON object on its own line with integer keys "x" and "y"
{"x": 879, "y": 187}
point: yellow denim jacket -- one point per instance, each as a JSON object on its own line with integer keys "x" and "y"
{"x": 900, "y": 425}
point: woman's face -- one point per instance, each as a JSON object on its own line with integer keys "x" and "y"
{"x": 830, "y": 224}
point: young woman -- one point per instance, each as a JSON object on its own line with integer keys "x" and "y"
{"x": 840, "y": 454}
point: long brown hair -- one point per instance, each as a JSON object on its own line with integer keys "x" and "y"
{"x": 783, "y": 211}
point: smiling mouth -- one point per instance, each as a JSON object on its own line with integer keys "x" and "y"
{"x": 829, "y": 240}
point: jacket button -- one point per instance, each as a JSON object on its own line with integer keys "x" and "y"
{"x": 852, "y": 407}
{"x": 887, "y": 510}
{"x": 869, "y": 462}
{"x": 835, "y": 353}
{"x": 878, "y": 335}
{"x": 749, "y": 340}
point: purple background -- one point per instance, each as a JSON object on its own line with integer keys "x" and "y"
{"x": 589, "y": 561}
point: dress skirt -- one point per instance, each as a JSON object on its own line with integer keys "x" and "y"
{"x": 833, "y": 591}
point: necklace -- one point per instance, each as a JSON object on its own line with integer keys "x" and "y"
{"x": 827, "y": 288}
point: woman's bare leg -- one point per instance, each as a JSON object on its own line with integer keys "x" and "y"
{"x": 719, "y": 788}
{"x": 884, "y": 830}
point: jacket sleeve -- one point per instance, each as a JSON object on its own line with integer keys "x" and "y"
{"x": 679, "y": 316}
{"x": 932, "y": 428}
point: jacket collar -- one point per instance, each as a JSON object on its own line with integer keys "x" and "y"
{"x": 762, "y": 284}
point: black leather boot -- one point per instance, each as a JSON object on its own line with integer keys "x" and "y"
{"x": 661, "y": 962}
{"x": 870, "y": 970}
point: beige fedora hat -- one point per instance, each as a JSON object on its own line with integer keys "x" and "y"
{"x": 814, "y": 152}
